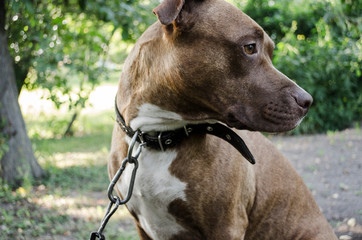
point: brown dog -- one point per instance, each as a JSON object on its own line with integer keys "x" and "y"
{"x": 205, "y": 61}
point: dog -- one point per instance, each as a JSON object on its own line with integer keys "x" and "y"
{"x": 203, "y": 68}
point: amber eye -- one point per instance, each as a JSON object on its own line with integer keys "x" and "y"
{"x": 250, "y": 48}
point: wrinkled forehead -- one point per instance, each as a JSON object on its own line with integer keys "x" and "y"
{"x": 222, "y": 18}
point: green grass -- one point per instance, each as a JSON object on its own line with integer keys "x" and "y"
{"x": 44, "y": 126}
{"x": 71, "y": 200}
{"x": 85, "y": 143}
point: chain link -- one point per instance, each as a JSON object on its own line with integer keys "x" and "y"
{"x": 115, "y": 201}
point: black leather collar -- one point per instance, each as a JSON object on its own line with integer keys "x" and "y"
{"x": 169, "y": 139}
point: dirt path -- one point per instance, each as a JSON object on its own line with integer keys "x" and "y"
{"x": 331, "y": 166}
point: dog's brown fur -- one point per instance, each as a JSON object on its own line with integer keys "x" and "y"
{"x": 192, "y": 63}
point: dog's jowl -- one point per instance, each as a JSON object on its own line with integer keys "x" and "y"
{"x": 203, "y": 69}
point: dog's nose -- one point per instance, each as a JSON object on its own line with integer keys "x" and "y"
{"x": 303, "y": 99}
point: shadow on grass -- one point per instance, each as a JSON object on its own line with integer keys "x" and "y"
{"x": 71, "y": 200}
{"x": 25, "y": 218}
{"x": 68, "y": 204}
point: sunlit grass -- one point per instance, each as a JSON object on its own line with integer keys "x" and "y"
{"x": 53, "y": 126}
{"x": 71, "y": 200}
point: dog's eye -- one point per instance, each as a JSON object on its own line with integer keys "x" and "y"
{"x": 250, "y": 48}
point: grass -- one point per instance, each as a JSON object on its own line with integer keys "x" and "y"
{"x": 71, "y": 200}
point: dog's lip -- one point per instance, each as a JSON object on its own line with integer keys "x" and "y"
{"x": 273, "y": 117}
{"x": 269, "y": 124}
{"x": 239, "y": 126}
{"x": 234, "y": 123}
{"x": 283, "y": 115}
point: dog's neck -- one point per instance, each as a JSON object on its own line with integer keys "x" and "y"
{"x": 174, "y": 130}
{"x": 151, "y": 118}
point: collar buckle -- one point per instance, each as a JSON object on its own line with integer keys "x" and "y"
{"x": 159, "y": 138}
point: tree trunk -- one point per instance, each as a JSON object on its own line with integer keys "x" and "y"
{"x": 18, "y": 162}
{"x": 69, "y": 131}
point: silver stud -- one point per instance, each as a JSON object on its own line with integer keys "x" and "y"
{"x": 168, "y": 141}
{"x": 187, "y": 130}
{"x": 210, "y": 129}
{"x": 228, "y": 137}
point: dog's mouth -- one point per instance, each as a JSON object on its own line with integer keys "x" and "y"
{"x": 233, "y": 122}
{"x": 282, "y": 115}
{"x": 272, "y": 118}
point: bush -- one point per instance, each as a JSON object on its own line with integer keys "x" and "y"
{"x": 321, "y": 50}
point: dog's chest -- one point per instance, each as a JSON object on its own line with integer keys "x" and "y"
{"x": 155, "y": 188}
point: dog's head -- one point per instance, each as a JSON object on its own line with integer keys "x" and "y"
{"x": 223, "y": 68}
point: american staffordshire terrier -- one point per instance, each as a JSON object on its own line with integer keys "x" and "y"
{"x": 203, "y": 63}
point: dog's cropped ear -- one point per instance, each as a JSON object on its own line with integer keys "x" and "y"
{"x": 168, "y": 11}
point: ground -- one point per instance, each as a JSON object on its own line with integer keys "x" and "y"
{"x": 331, "y": 166}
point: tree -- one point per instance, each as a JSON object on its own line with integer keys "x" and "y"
{"x": 57, "y": 45}
{"x": 53, "y": 44}
{"x": 18, "y": 161}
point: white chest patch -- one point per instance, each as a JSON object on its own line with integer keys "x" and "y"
{"x": 155, "y": 188}
{"x": 153, "y": 118}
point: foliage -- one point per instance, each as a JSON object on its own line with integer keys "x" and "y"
{"x": 63, "y": 46}
{"x": 321, "y": 50}
{"x": 274, "y": 17}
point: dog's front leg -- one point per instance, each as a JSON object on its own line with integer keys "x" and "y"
{"x": 141, "y": 233}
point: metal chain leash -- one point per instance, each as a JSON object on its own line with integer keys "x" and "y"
{"x": 115, "y": 200}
